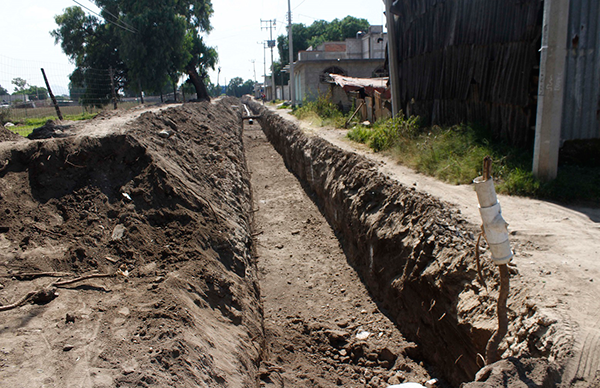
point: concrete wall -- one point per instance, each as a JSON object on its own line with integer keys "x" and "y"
{"x": 308, "y": 75}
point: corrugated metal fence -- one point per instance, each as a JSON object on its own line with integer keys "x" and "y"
{"x": 471, "y": 61}
{"x": 581, "y": 114}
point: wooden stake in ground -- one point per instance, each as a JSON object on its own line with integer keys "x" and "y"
{"x": 60, "y": 117}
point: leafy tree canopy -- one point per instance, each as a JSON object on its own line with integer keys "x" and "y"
{"x": 237, "y": 87}
{"x": 36, "y": 93}
{"x": 147, "y": 43}
{"x": 318, "y": 32}
{"x": 20, "y": 84}
{"x": 3, "y": 91}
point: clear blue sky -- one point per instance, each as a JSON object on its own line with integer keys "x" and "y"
{"x": 26, "y": 44}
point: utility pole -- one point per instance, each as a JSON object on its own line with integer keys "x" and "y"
{"x": 551, "y": 89}
{"x": 271, "y": 44}
{"x": 393, "y": 58}
{"x": 291, "y": 54}
{"x": 254, "y": 68}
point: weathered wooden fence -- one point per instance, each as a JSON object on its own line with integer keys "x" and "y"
{"x": 471, "y": 61}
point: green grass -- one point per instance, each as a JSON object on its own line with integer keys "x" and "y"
{"x": 455, "y": 155}
{"x": 321, "y": 112}
{"x": 25, "y": 126}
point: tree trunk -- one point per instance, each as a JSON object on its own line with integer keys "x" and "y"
{"x": 198, "y": 82}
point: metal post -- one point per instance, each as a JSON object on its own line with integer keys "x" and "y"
{"x": 393, "y": 58}
{"x": 60, "y": 117}
{"x": 551, "y": 89}
{"x": 291, "y": 54}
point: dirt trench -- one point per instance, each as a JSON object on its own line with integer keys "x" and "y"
{"x": 364, "y": 283}
{"x": 322, "y": 327}
{"x": 416, "y": 257}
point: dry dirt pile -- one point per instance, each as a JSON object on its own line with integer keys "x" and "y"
{"x": 164, "y": 208}
{"x": 416, "y": 257}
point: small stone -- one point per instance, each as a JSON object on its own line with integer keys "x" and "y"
{"x": 362, "y": 335}
{"x": 336, "y": 335}
{"x": 165, "y": 134}
{"x": 289, "y": 347}
{"x": 279, "y": 246}
{"x": 67, "y": 347}
{"x": 118, "y": 232}
{"x": 342, "y": 323}
{"x": 70, "y": 318}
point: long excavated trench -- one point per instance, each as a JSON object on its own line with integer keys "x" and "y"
{"x": 239, "y": 258}
{"x": 416, "y": 258}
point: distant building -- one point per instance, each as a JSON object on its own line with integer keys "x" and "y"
{"x": 360, "y": 57}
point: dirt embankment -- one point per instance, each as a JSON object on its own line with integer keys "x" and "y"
{"x": 416, "y": 257}
{"x": 167, "y": 203}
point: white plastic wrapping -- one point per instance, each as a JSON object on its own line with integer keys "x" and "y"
{"x": 494, "y": 226}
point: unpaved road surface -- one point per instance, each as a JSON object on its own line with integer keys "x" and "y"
{"x": 557, "y": 251}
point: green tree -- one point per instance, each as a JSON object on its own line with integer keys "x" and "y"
{"x": 148, "y": 43}
{"x": 36, "y": 93}
{"x": 318, "y": 32}
{"x": 237, "y": 87}
{"x": 93, "y": 47}
{"x": 3, "y": 91}
{"x": 20, "y": 84}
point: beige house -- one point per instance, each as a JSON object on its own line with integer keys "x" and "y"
{"x": 360, "y": 57}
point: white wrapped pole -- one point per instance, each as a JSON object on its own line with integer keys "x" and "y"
{"x": 494, "y": 226}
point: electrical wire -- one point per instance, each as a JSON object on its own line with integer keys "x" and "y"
{"x": 109, "y": 21}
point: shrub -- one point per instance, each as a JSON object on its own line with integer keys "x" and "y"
{"x": 322, "y": 109}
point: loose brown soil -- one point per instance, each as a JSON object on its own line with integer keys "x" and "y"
{"x": 232, "y": 265}
{"x": 316, "y": 308}
{"x": 162, "y": 204}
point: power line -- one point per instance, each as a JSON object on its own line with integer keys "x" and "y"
{"x": 116, "y": 18}
{"x": 109, "y": 21}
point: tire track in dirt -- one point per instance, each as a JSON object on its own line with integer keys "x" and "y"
{"x": 314, "y": 302}
{"x": 588, "y": 359}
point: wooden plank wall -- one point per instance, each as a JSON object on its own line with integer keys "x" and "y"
{"x": 471, "y": 61}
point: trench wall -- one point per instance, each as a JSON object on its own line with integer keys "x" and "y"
{"x": 415, "y": 254}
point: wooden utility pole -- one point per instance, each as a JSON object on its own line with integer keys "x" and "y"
{"x": 60, "y": 117}
{"x": 112, "y": 86}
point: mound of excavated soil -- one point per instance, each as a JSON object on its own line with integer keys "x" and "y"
{"x": 7, "y": 135}
{"x": 415, "y": 255}
{"x": 164, "y": 209}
